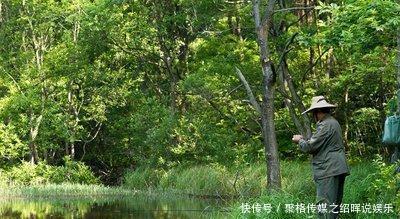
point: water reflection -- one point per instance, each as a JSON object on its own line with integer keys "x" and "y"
{"x": 112, "y": 207}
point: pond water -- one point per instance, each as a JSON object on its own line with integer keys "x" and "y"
{"x": 106, "y": 207}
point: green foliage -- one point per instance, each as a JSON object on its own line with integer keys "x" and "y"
{"x": 73, "y": 172}
{"x": 285, "y": 128}
{"x": 31, "y": 174}
{"x": 365, "y": 130}
{"x": 385, "y": 183}
{"x": 363, "y": 25}
{"x": 11, "y": 146}
{"x": 391, "y": 106}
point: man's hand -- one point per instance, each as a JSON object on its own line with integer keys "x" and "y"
{"x": 296, "y": 138}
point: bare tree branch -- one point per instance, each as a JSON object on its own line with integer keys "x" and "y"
{"x": 250, "y": 94}
{"x": 398, "y": 71}
{"x": 234, "y": 89}
{"x": 287, "y": 50}
{"x": 98, "y": 125}
{"x": 256, "y": 13}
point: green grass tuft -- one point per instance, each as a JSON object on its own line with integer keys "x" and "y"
{"x": 65, "y": 190}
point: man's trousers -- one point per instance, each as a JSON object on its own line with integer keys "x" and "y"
{"x": 329, "y": 196}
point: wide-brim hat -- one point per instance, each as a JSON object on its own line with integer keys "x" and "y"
{"x": 319, "y": 102}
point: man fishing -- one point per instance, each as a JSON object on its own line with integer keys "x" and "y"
{"x": 329, "y": 164}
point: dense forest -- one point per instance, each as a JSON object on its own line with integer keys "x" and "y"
{"x": 121, "y": 84}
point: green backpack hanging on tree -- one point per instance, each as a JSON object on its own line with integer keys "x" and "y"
{"x": 391, "y": 131}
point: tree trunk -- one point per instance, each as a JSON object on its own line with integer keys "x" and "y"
{"x": 267, "y": 108}
{"x": 39, "y": 42}
{"x": 346, "y": 119}
{"x": 293, "y": 115}
{"x": 269, "y": 140}
{"x": 34, "y": 158}
{"x": 34, "y": 129}
{"x": 398, "y": 71}
{"x": 330, "y": 64}
{"x": 396, "y": 155}
{"x": 72, "y": 123}
{"x": 293, "y": 101}
{"x": 1, "y": 12}
{"x": 73, "y": 105}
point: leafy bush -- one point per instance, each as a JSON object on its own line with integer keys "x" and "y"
{"x": 30, "y": 174}
{"x": 385, "y": 183}
{"x": 73, "y": 172}
{"x": 365, "y": 131}
{"x": 25, "y": 173}
{"x": 11, "y": 146}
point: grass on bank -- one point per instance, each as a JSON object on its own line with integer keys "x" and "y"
{"x": 64, "y": 190}
{"x": 220, "y": 181}
{"x": 207, "y": 181}
{"x": 369, "y": 182}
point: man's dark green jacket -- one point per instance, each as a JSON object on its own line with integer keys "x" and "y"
{"x": 326, "y": 147}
